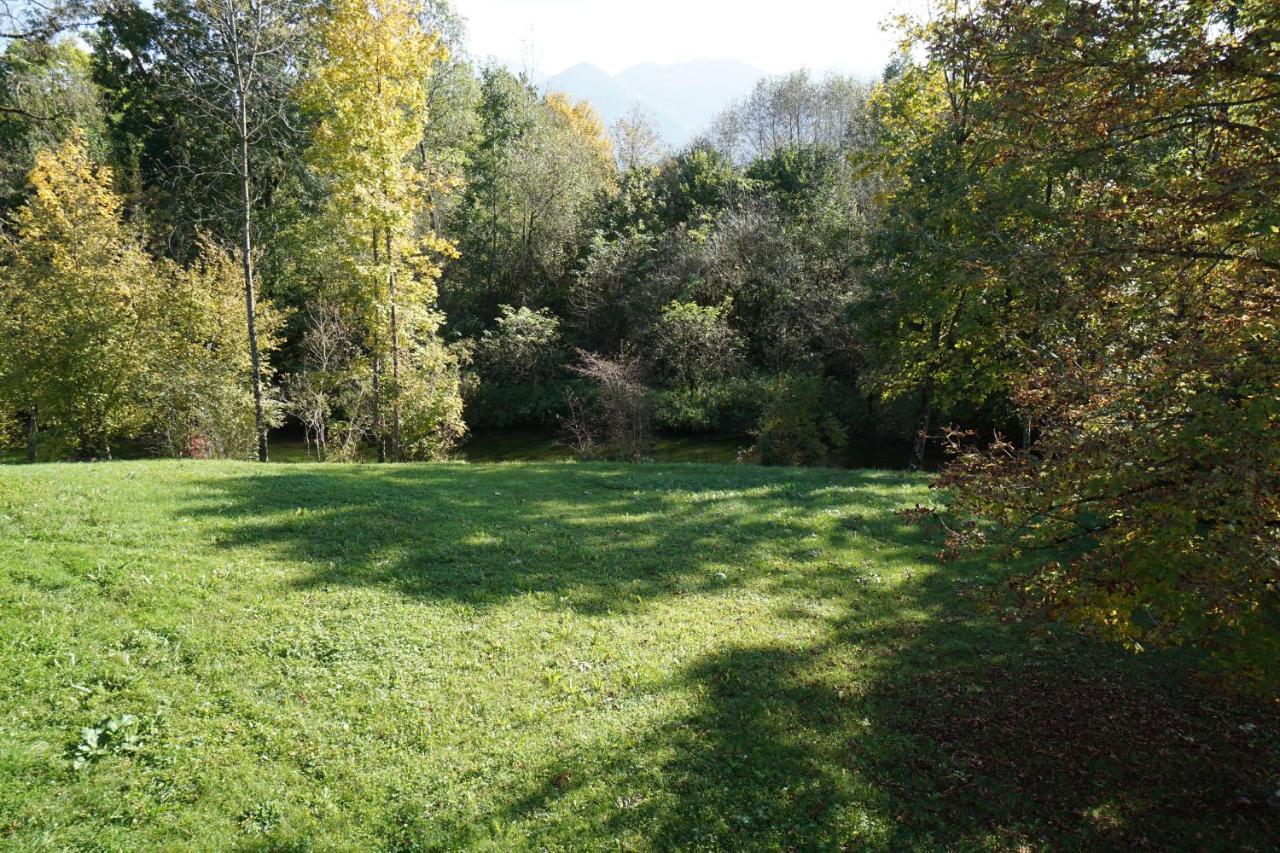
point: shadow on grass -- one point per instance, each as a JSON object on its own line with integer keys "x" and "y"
{"x": 959, "y": 732}
{"x": 917, "y": 721}
{"x": 969, "y": 737}
{"x": 599, "y": 536}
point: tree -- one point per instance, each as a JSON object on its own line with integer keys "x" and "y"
{"x": 789, "y": 288}
{"x": 81, "y": 305}
{"x": 588, "y": 131}
{"x": 537, "y": 171}
{"x": 45, "y": 91}
{"x": 38, "y": 21}
{"x": 329, "y": 384}
{"x": 637, "y": 140}
{"x": 695, "y": 185}
{"x": 369, "y": 91}
{"x": 1118, "y": 274}
{"x": 938, "y": 327}
{"x": 453, "y": 94}
{"x": 231, "y": 62}
{"x": 795, "y": 111}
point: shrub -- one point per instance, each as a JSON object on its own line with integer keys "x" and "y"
{"x": 499, "y": 406}
{"x": 621, "y": 424}
{"x": 797, "y": 427}
{"x": 523, "y": 347}
{"x": 730, "y": 406}
{"x": 694, "y": 345}
{"x": 331, "y": 380}
{"x": 200, "y": 393}
{"x": 334, "y": 394}
{"x": 431, "y": 423}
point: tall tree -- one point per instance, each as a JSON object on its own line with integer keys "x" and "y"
{"x": 1114, "y": 246}
{"x": 370, "y": 91}
{"x": 538, "y": 166}
{"x": 233, "y": 63}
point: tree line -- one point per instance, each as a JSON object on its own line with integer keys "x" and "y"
{"x": 1044, "y": 242}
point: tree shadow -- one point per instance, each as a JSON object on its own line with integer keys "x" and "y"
{"x": 916, "y": 719}
{"x": 957, "y": 732}
{"x": 586, "y": 533}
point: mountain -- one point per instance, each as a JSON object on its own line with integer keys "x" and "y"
{"x": 683, "y": 98}
{"x": 693, "y": 92}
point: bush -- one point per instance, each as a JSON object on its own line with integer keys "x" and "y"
{"x": 199, "y": 396}
{"x": 206, "y": 415}
{"x": 694, "y": 345}
{"x": 797, "y": 427}
{"x": 523, "y": 347}
{"x": 729, "y": 406}
{"x": 431, "y": 423}
{"x": 499, "y": 406}
{"x": 621, "y": 424}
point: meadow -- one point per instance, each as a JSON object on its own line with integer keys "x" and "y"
{"x": 568, "y": 656}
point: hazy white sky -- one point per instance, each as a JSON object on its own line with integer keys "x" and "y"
{"x": 774, "y": 35}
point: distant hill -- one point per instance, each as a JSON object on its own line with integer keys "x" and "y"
{"x": 683, "y": 98}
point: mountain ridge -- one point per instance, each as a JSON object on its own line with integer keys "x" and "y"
{"x": 683, "y": 97}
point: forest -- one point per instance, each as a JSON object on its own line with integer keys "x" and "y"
{"x": 1038, "y": 256}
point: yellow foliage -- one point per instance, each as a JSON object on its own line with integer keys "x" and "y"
{"x": 81, "y": 298}
{"x": 370, "y": 89}
{"x": 378, "y": 255}
{"x": 101, "y": 340}
{"x": 586, "y": 124}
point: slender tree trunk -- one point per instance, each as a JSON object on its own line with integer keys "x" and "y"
{"x": 395, "y": 355}
{"x": 33, "y": 434}
{"x": 246, "y": 261}
{"x": 379, "y": 428}
{"x": 924, "y": 422}
{"x": 493, "y": 241}
{"x": 1026, "y": 433}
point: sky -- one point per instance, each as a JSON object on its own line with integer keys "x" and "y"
{"x": 548, "y": 36}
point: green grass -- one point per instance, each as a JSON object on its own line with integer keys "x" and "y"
{"x": 532, "y": 446}
{"x": 567, "y": 656}
{"x": 509, "y": 445}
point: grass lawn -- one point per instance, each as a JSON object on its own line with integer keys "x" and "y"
{"x": 567, "y": 656}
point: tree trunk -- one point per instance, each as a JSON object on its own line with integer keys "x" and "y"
{"x": 246, "y": 261}
{"x": 33, "y": 434}
{"x": 379, "y": 428}
{"x": 925, "y": 423}
{"x": 395, "y": 355}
